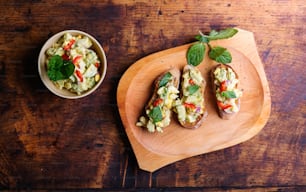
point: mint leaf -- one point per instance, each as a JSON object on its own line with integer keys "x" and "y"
{"x": 55, "y": 62}
{"x": 220, "y": 54}
{"x": 223, "y": 34}
{"x": 229, "y": 94}
{"x": 68, "y": 68}
{"x": 165, "y": 79}
{"x": 156, "y": 114}
{"x": 193, "y": 88}
{"x": 201, "y": 38}
{"x": 59, "y": 69}
{"x": 213, "y": 33}
{"x": 55, "y": 75}
{"x": 195, "y": 54}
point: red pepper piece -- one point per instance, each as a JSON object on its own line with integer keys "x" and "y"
{"x": 76, "y": 59}
{"x": 191, "y": 82}
{"x": 65, "y": 57}
{"x": 190, "y": 105}
{"x": 69, "y": 45}
{"x": 97, "y": 65}
{"x": 223, "y": 106}
{"x": 157, "y": 102}
{"x": 79, "y": 74}
{"x": 223, "y": 86}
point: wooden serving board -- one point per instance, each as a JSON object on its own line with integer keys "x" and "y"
{"x": 155, "y": 150}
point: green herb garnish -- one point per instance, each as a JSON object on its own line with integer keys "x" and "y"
{"x": 229, "y": 94}
{"x": 223, "y": 34}
{"x": 165, "y": 79}
{"x": 220, "y": 54}
{"x": 59, "y": 69}
{"x": 195, "y": 53}
{"x": 156, "y": 114}
{"x": 193, "y": 88}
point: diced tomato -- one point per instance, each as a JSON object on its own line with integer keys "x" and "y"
{"x": 190, "y": 105}
{"x": 157, "y": 102}
{"x": 223, "y": 106}
{"x": 97, "y": 65}
{"x": 76, "y": 59}
{"x": 223, "y": 86}
{"x": 191, "y": 82}
{"x": 69, "y": 45}
{"x": 65, "y": 57}
{"x": 79, "y": 74}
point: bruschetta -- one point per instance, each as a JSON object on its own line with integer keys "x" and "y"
{"x": 225, "y": 88}
{"x": 158, "y": 111}
{"x": 190, "y": 107}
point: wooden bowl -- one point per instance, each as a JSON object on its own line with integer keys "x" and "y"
{"x": 42, "y": 69}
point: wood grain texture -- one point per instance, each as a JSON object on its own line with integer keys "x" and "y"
{"x": 156, "y": 150}
{"x": 49, "y": 143}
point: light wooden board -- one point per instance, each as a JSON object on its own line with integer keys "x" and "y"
{"x": 155, "y": 150}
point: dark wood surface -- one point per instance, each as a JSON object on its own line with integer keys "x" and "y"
{"x": 47, "y": 142}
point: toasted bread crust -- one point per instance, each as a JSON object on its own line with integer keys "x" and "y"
{"x": 202, "y": 117}
{"x": 222, "y": 113}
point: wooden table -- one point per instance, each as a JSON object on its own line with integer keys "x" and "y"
{"x": 47, "y": 142}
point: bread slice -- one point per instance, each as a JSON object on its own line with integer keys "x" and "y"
{"x": 227, "y": 107}
{"x": 159, "y": 108}
{"x": 190, "y": 108}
